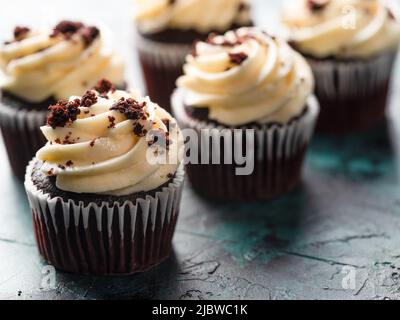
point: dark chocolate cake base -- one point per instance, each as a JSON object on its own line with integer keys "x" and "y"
{"x": 102, "y": 235}
{"x": 20, "y": 123}
{"x": 352, "y": 93}
{"x": 160, "y": 81}
{"x": 351, "y": 114}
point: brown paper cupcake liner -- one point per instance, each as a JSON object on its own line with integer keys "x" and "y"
{"x": 278, "y": 153}
{"x": 352, "y": 94}
{"x": 22, "y": 136}
{"x": 119, "y": 239}
{"x": 161, "y": 65}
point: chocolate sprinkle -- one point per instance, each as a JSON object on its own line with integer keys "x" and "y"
{"x": 88, "y": 99}
{"x": 63, "y": 112}
{"x": 138, "y": 130}
{"x": 132, "y": 109}
{"x": 69, "y": 28}
{"x": 238, "y": 58}
{"x": 317, "y": 5}
{"x": 104, "y": 86}
{"x": 66, "y": 28}
{"x": 69, "y": 163}
{"x": 112, "y": 122}
{"x": 89, "y": 34}
{"x": 20, "y": 32}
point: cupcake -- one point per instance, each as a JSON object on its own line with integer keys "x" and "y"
{"x": 37, "y": 68}
{"x": 166, "y": 30}
{"x": 351, "y": 46}
{"x": 105, "y": 190}
{"x": 247, "y": 98}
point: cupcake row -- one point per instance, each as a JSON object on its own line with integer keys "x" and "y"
{"x": 351, "y": 46}
{"x": 106, "y": 183}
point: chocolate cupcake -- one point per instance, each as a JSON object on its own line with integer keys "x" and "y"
{"x": 105, "y": 190}
{"x": 39, "y": 67}
{"x": 245, "y": 95}
{"x": 351, "y": 46}
{"x": 166, "y": 30}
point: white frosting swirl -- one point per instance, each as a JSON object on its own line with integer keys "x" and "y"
{"x": 341, "y": 28}
{"x": 246, "y": 76}
{"x": 101, "y": 153}
{"x": 40, "y": 66}
{"x": 201, "y": 15}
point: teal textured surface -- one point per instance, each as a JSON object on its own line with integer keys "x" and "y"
{"x": 341, "y": 224}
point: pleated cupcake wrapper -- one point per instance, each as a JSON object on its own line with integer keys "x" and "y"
{"x": 162, "y": 64}
{"x": 22, "y": 135}
{"x": 162, "y": 55}
{"x": 278, "y": 153}
{"x": 358, "y": 78}
{"x": 116, "y": 239}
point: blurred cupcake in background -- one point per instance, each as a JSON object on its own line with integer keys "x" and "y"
{"x": 103, "y": 202}
{"x": 40, "y": 67}
{"x": 351, "y": 46}
{"x": 247, "y": 94}
{"x": 166, "y": 30}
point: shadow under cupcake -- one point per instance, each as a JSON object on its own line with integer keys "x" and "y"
{"x": 40, "y": 67}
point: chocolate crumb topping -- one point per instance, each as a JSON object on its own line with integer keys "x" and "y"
{"x": 50, "y": 172}
{"x": 88, "y": 99}
{"x": 104, "y": 86}
{"x": 61, "y": 167}
{"x": 70, "y": 28}
{"x": 112, "y": 122}
{"x": 132, "y": 109}
{"x": 69, "y": 163}
{"x": 63, "y": 112}
{"x": 238, "y": 58}
{"x": 317, "y": 5}
{"x": 139, "y": 130}
{"x": 20, "y": 32}
{"x": 91, "y": 144}
{"x": 89, "y": 34}
{"x": 66, "y": 28}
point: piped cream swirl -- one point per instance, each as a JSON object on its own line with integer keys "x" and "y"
{"x": 201, "y": 15}
{"x": 246, "y": 76}
{"x": 106, "y": 151}
{"x": 341, "y": 28}
{"x": 46, "y": 64}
